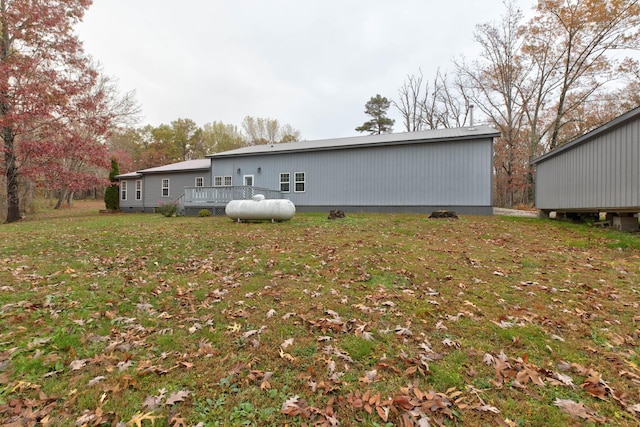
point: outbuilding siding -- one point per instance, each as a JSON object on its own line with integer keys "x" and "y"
{"x": 598, "y": 172}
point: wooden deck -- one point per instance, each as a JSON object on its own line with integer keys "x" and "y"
{"x": 215, "y": 199}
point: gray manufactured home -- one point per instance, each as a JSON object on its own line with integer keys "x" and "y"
{"x": 598, "y": 172}
{"x": 145, "y": 190}
{"x": 399, "y": 172}
{"x": 424, "y": 171}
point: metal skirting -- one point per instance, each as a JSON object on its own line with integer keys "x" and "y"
{"x": 461, "y": 210}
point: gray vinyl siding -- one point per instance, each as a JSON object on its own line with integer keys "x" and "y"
{"x": 131, "y": 204}
{"x": 444, "y": 174}
{"x": 152, "y": 184}
{"x": 600, "y": 173}
{"x": 152, "y": 189}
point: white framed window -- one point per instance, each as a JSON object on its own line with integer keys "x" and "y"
{"x": 165, "y": 187}
{"x": 199, "y": 181}
{"x": 139, "y": 189}
{"x": 123, "y": 190}
{"x": 285, "y": 182}
{"x": 217, "y": 181}
{"x": 300, "y": 182}
{"x": 248, "y": 180}
{"x": 228, "y": 181}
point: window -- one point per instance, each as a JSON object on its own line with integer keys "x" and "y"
{"x": 299, "y": 182}
{"x": 139, "y": 189}
{"x": 228, "y": 181}
{"x": 199, "y": 181}
{"x": 165, "y": 187}
{"x": 248, "y": 180}
{"x": 217, "y": 181}
{"x": 285, "y": 182}
{"x": 123, "y": 190}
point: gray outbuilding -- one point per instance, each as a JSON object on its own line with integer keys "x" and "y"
{"x": 595, "y": 174}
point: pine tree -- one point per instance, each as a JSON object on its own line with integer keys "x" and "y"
{"x": 377, "y": 108}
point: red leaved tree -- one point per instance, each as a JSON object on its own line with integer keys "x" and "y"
{"x": 45, "y": 82}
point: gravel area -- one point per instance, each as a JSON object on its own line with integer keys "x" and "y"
{"x": 515, "y": 212}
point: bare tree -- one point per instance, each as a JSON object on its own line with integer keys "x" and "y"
{"x": 410, "y": 101}
{"x": 432, "y": 105}
{"x": 454, "y": 101}
{"x": 494, "y": 80}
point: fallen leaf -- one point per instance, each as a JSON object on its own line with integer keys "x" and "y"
{"x": 178, "y": 396}
{"x": 369, "y": 376}
{"x": 294, "y": 406}
{"x": 488, "y": 408}
{"x": 577, "y": 410}
{"x": 450, "y": 343}
{"x": 383, "y": 412}
{"x": 139, "y": 418}
{"x": 488, "y": 359}
{"x": 634, "y": 409}
{"x": 95, "y": 381}
{"x": 564, "y": 379}
{"x": 151, "y": 403}
{"x": 78, "y": 364}
{"x": 287, "y": 343}
{"x": 286, "y": 356}
{"x": 177, "y": 421}
{"x": 402, "y": 331}
{"x": 235, "y": 327}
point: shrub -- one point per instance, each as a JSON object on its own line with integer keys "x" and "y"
{"x": 112, "y": 193}
{"x": 167, "y": 209}
{"x": 111, "y": 199}
{"x": 204, "y": 212}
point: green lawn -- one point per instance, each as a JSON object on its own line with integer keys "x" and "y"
{"x": 370, "y": 320}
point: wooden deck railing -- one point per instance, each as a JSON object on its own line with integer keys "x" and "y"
{"x": 220, "y": 196}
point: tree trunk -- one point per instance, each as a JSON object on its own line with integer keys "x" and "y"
{"x": 11, "y": 174}
{"x": 64, "y": 193}
{"x": 13, "y": 195}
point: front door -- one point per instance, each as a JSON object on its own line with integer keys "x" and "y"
{"x": 248, "y": 180}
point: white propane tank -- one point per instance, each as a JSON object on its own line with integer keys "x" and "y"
{"x": 259, "y": 208}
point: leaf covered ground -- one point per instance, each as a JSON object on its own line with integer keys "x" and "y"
{"x": 140, "y": 320}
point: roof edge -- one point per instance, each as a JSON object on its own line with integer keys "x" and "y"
{"x": 128, "y": 175}
{"x": 611, "y": 124}
{"x": 492, "y": 133}
{"x": 144, "y": 172}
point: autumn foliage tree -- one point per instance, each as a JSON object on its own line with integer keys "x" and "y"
{"x": 46, "y": 98}
{"x": 260, "y": 130}
{"x": 551, "y": 79}
{"x": 578, "y": 47}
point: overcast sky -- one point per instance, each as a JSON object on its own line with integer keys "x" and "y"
{"x": 311, "y": 64}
